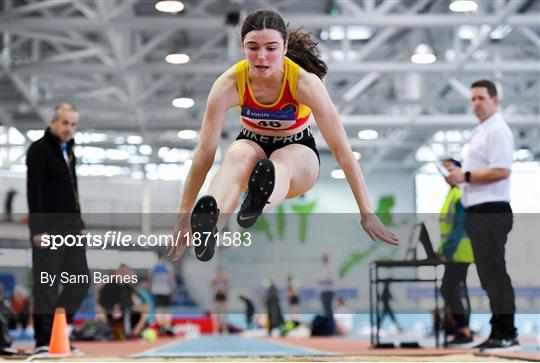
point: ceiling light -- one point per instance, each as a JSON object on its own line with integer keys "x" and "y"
{"x": 91, "y": 154}
{"x": 368, "y": 134}
{"x": 461, "y": 6}
{"x": 183, "y": 102}
{"x": 177, "y": 58}
{"x": 119, "y": 140}
{"x": 467, "y": 32}
{"x": 134, "y": 139}
{"x": 440, "y": 136}
{"x": 115, "y": 154}
{"x": 89, "y": 137}
{"x": 353, "y": 32}
{"x": 453, "y": 136}
{"x": 423, "y": 54}
{"x": 337, "y": 174}
{"x": 145, "y": 150}
{"x": 169, "y": 6}
{"x": 187, "y": 134}
{"x": 131, "y": 149}
{"x": 357, "y": 155}
{"x": 174, "y": 155}
{"x": 324, "y": 34}
{"x": 359, "y": 32}
{"x": 337, "y": 32}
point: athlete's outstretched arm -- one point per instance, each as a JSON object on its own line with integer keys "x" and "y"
{"x": 312, "y": 92}
{"x": 222, "y": 97}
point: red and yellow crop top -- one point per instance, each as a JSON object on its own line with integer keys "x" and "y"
{"x": 286, "y": 113}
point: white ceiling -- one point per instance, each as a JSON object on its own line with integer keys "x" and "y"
{"x": 107, "y": 57}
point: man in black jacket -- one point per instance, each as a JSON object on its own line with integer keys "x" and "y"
{"x": 53, "y": 203}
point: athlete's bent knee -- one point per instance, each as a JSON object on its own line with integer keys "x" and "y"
{"x": 239, "y": 155}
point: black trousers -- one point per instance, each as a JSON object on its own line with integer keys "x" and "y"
{"x": 327, "y": 298}
{"x": 67, "y": 260}
{"x": 488, "y": 226}
{"x": 455, "y": 294}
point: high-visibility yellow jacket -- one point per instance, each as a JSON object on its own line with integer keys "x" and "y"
{"x": 455, "y": 244}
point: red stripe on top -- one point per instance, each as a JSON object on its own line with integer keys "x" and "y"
{"x": 286, "y": 99}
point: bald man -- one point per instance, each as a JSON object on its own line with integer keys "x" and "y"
{"x": 53, "y": 203}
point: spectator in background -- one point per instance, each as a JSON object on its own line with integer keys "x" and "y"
{"x": 163, "y": 286}
{"x": 19, "y": 303}
{"x": 5, "y": 339}
{"x": 292, "y": 296}
{"x": 143, "y": 291}
{"x": 249, "y": 312}
{"x": 53, "y": 203}
{"x": 327, "y": 281}
{"x": 485, "y": 180}
{"x": 8, "y": 204}
{"x": 273, "y": 308}
{"x": 123, "y": 309}
{"x": 456, "y": 251}
{"x": 219, "y": 289}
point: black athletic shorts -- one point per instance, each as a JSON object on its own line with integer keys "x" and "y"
{"x": 294, "y": 300}
{"x": 220, "y": 296}
{"x": 272, "y": 143}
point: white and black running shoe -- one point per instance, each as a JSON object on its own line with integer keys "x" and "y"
{"x": 75, "y": 351}
{"x": 203, "y": 221}
{"x": 13, "y": 353}
{"x": 41, "y": 349}
{"x": 493, "y": 345}
{"x": 260, "y": 187}
{"x": 461, "y": 341}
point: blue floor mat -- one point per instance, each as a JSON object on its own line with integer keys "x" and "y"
{"x": 227, "y": 346}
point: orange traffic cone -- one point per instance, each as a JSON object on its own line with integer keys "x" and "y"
{"x": 59, "y": 335}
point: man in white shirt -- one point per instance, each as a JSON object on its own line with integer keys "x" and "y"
{"x": 485, "y": 181}
{"x": 326, "y": 281}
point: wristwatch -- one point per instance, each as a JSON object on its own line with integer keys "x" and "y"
{"x": 468, "y": 176}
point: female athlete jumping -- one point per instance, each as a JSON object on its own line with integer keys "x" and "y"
{"x": 278, "y": 90}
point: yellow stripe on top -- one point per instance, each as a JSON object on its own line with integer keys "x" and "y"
{"x": 290, "y": 75}
{"x": 241, "y": 70}
{"x": 293, "y": 72}
{"x": 303, "y": 110}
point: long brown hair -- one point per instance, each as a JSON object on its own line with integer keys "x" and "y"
{"x": 301, "y": 48}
